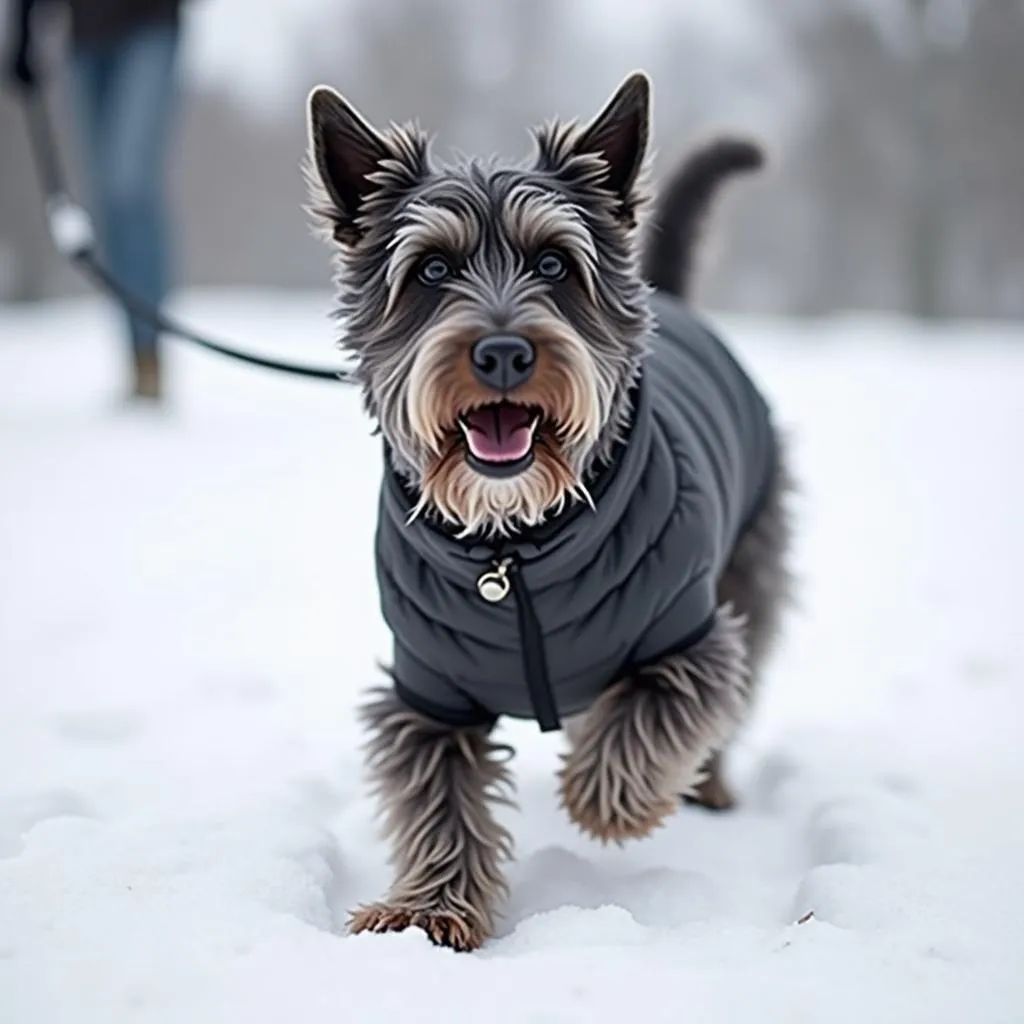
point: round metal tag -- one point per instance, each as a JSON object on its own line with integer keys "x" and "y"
{"x": 493, "y": 586}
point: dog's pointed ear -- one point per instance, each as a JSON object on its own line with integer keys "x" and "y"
{"x": 619, "y": 135}
{"x": 345, "y": 150}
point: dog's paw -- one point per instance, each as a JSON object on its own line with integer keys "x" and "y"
{"x": 708, "y": 788}
{"x": 611, "y": 806}
{"x": 712, "y": 794}
{"x": 379, "y": 917}
{"x": 445, "y": 928}
{"x": 442, "y": 927}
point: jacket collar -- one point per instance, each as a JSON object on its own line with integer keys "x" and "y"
{"x": 575, "y": 531}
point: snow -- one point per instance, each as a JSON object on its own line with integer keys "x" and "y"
{"x": 187, "y": 614}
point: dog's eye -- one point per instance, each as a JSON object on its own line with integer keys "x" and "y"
{"x": 434, "y": 270}
{"x": 551, "y": 265}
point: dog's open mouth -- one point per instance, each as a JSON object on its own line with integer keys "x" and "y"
{"x": 499, "y": 437}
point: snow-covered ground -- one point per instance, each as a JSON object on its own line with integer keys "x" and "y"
{"x": 187, "y": 613}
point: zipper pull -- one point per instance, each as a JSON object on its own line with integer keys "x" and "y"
{"x": 493, "y": 585}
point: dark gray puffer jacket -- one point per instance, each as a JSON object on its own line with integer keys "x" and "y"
{"x": 538, "y": 626}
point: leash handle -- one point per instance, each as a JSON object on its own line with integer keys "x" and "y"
{"x": 72, "y": 232}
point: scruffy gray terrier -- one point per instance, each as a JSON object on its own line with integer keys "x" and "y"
{"x": 582, "y": 514}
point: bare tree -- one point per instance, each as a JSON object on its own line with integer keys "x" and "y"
{"x": 908, "y": 148}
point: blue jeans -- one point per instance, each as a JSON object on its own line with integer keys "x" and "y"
{"x": 125, "y": 97}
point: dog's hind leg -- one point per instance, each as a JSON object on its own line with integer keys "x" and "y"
{"x": 646, "y": 737}
{"x": 713, "y": 791}
{"x": 757, "y": 584}
{"x": 437, "y": 786}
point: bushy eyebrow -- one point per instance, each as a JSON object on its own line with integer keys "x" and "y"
{"x": 452, "y": 220}
{"x": 427, "y": 227}
{"x": 535, "y": 218}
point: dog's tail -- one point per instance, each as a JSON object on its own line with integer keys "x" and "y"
{"x": 680, "y": 206}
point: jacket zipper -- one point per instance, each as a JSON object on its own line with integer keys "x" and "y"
{"x": 531, "y": 638}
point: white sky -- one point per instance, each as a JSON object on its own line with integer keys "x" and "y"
{"x": 254, "y": 46}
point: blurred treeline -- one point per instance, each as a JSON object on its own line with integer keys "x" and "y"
{"x": 896, "y": 131}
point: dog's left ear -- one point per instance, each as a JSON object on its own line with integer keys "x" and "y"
{"x": 619, "y": 135}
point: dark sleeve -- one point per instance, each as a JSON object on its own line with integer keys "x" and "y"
{"x": 433, "y": 696}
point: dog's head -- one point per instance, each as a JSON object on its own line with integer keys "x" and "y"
{"x": 495, "y": 313}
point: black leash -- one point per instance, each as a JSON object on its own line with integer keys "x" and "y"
{"x": 72, "y": 233}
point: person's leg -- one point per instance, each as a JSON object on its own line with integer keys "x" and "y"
{"x": 141, "y": 104}
{"x": 90, "y": 87}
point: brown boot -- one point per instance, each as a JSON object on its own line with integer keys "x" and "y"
{"x": 147, "y": 376}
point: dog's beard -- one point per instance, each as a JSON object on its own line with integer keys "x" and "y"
{"x": 565, "y": 406}
{"x": 477, "y": 503}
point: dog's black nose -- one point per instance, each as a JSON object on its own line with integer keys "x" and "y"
{"x": 503, "y": 361}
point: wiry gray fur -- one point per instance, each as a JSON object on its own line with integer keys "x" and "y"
{"x": 647, "y": 739}
{"x": 562, "y": 196}
{"x": 437, "y": 787}
{"x": 758, "y": 584}
{"x": 643, "y": 742}
{"x": 757, "y": 581}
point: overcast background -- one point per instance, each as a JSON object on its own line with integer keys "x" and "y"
{"x": 895, "y": 127}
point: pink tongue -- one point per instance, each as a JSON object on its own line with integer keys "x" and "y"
{"x": 499, "y": 433}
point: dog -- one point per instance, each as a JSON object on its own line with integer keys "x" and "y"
{"x": 582, "y": 515}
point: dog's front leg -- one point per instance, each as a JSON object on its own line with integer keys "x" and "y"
{"x": 437, "y": 787}
{"x": 645, "y": 739}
